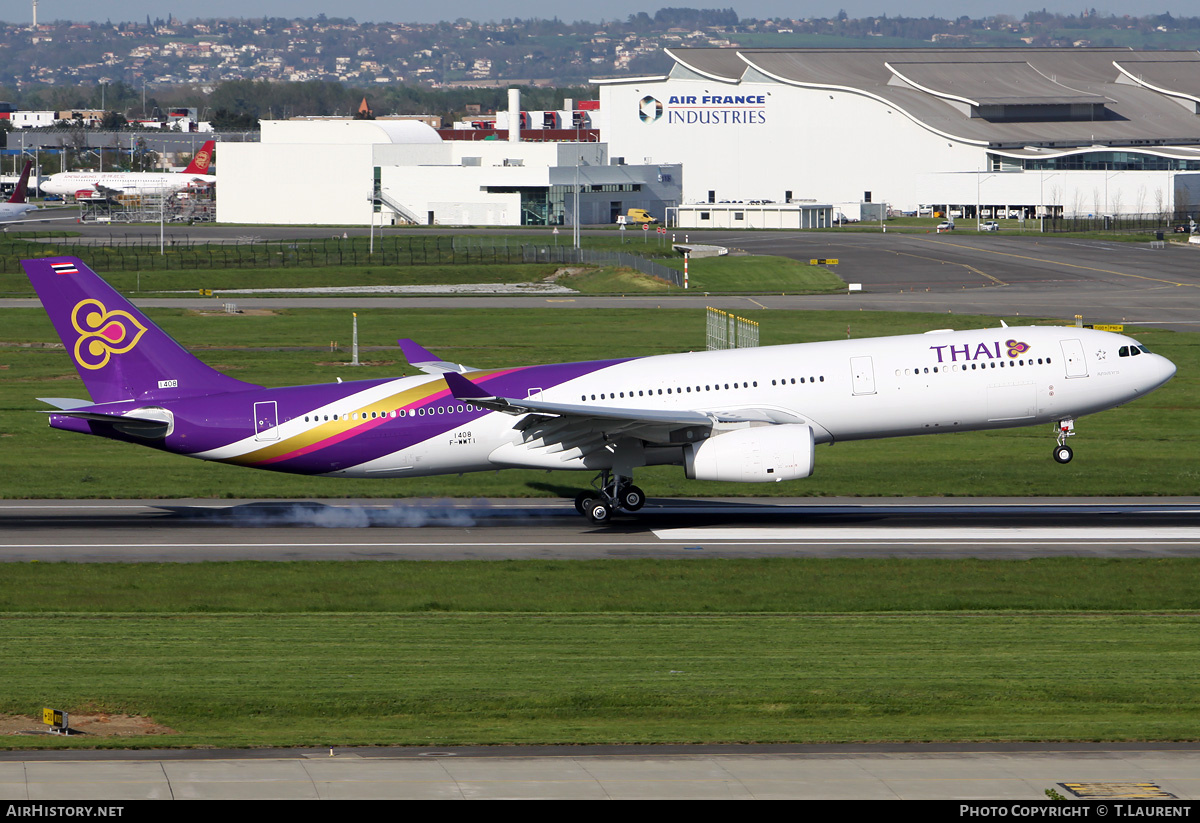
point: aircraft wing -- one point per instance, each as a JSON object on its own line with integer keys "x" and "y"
{"x": 109, "y": 191}
{"x": 580, "y": 429}
{"x": 426, "y": 361}
{"x": 28, "y": 220}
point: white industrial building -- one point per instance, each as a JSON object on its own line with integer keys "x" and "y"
{"x": 982, "y": 131}
{"x": 353, "y": 172}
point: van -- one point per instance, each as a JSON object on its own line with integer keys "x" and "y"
{"x": 638, "y": 216}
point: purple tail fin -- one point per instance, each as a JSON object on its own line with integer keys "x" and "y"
{"x": 117, "y": 351}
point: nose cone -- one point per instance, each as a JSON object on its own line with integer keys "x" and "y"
{"x": 1164, "y": 370}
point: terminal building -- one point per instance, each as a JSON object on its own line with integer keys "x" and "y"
{"x": 356, "y": 172}
{"x": 973, "y": 132}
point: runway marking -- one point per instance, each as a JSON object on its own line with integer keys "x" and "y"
{"x": 958, "y": 535}
{"x": 995, "y": 280}
{"x": 966, "y": 266}
{"x": 1057, "y": 263}
{"x": 1121, "y": 790}
{"x": 748, "y": 537}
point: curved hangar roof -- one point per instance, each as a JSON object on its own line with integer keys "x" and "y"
{"x": 1002, "y": 98}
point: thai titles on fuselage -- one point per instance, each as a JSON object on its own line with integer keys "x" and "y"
{"x": 979, "y": 351}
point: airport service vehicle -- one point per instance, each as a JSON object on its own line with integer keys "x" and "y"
{"x": 89, "y": 184}
{"x": 945, "y": 225}
{"x": 17, "y": 206}
{"x": 637, "y": 216}
{"x": 751, "y": 415}
{"x": 991, "y": 225}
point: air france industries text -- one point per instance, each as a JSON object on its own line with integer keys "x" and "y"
{"x": 717, "y": 109}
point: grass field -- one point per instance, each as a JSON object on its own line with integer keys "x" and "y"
{"x": 757, "y": 274}
{"x": 1132, "y": 450}
{"x": 314, "y": 654}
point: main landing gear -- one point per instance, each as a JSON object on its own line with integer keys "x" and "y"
{"x": 613, "y": 492}
{"x": 1062, "y": 452}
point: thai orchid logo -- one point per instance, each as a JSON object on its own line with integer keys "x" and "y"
{"x": 1015, "y": 348}
{"x": 649, "y": 109}
{"x": 102, "y": 333}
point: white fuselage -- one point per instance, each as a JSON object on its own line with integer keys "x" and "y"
{"x": 13, "y": 211}
{"x": 70, "y": 182}
{"x": 845, "y": 390}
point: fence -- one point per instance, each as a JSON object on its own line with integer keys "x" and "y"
{"x": 728, "y": 331}
{"x": 138, "y": 253}
{"x": 1128, "y": 223}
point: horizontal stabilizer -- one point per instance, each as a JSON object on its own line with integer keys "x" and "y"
{"x": 65, "y": 402}
{"x": 426, "y": 361}
{"x": 152, "y": 423}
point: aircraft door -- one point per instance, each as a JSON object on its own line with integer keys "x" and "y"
{"x": 1076, "y": 362}
{"x": 266, "y": 420}
{"x": 862, "y": 370}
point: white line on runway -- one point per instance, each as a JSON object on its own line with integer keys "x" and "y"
{"x": 961, "y": 535}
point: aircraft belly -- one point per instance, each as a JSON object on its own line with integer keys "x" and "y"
{"x": 463, "y": 448}
{"x": 1011, "y": 401}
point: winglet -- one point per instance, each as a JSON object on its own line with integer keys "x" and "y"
{"x": 426, "y": 360}
{"x": 464, "y": 389}
{"x": 415, "y": 354}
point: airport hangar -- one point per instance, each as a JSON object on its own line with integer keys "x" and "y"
{"x": 1016, "y": 132}
{"x": 360, "y": 172}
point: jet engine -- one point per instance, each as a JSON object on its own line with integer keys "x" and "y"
{"x": 762, "y": 454}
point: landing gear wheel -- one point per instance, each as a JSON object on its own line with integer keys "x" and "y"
{"x": 599, "y": 511}
{"x": 632, "y": 498}
{"x": 1063, "y": 454}
{"x": 583, "y": 500}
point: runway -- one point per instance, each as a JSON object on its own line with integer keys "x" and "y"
{"x": 279, "y": 530}
{"x": 1108, "y": 774}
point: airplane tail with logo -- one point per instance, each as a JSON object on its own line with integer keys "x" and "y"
{"x": 119, "y": 353}
{"x": 18, "y": 195}
{"x": 203, "y": 159}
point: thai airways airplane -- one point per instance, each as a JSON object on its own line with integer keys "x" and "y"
{"x": 132, "y": 182}
{"x": 16, "y": 206}
{"x": 743, "y": 415}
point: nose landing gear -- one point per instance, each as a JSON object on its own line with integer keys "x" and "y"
{"x": 1062, "y": 452}
{"x": 614, "y": 492}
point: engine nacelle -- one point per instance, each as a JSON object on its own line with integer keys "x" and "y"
{"x": 763, "y": 454}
